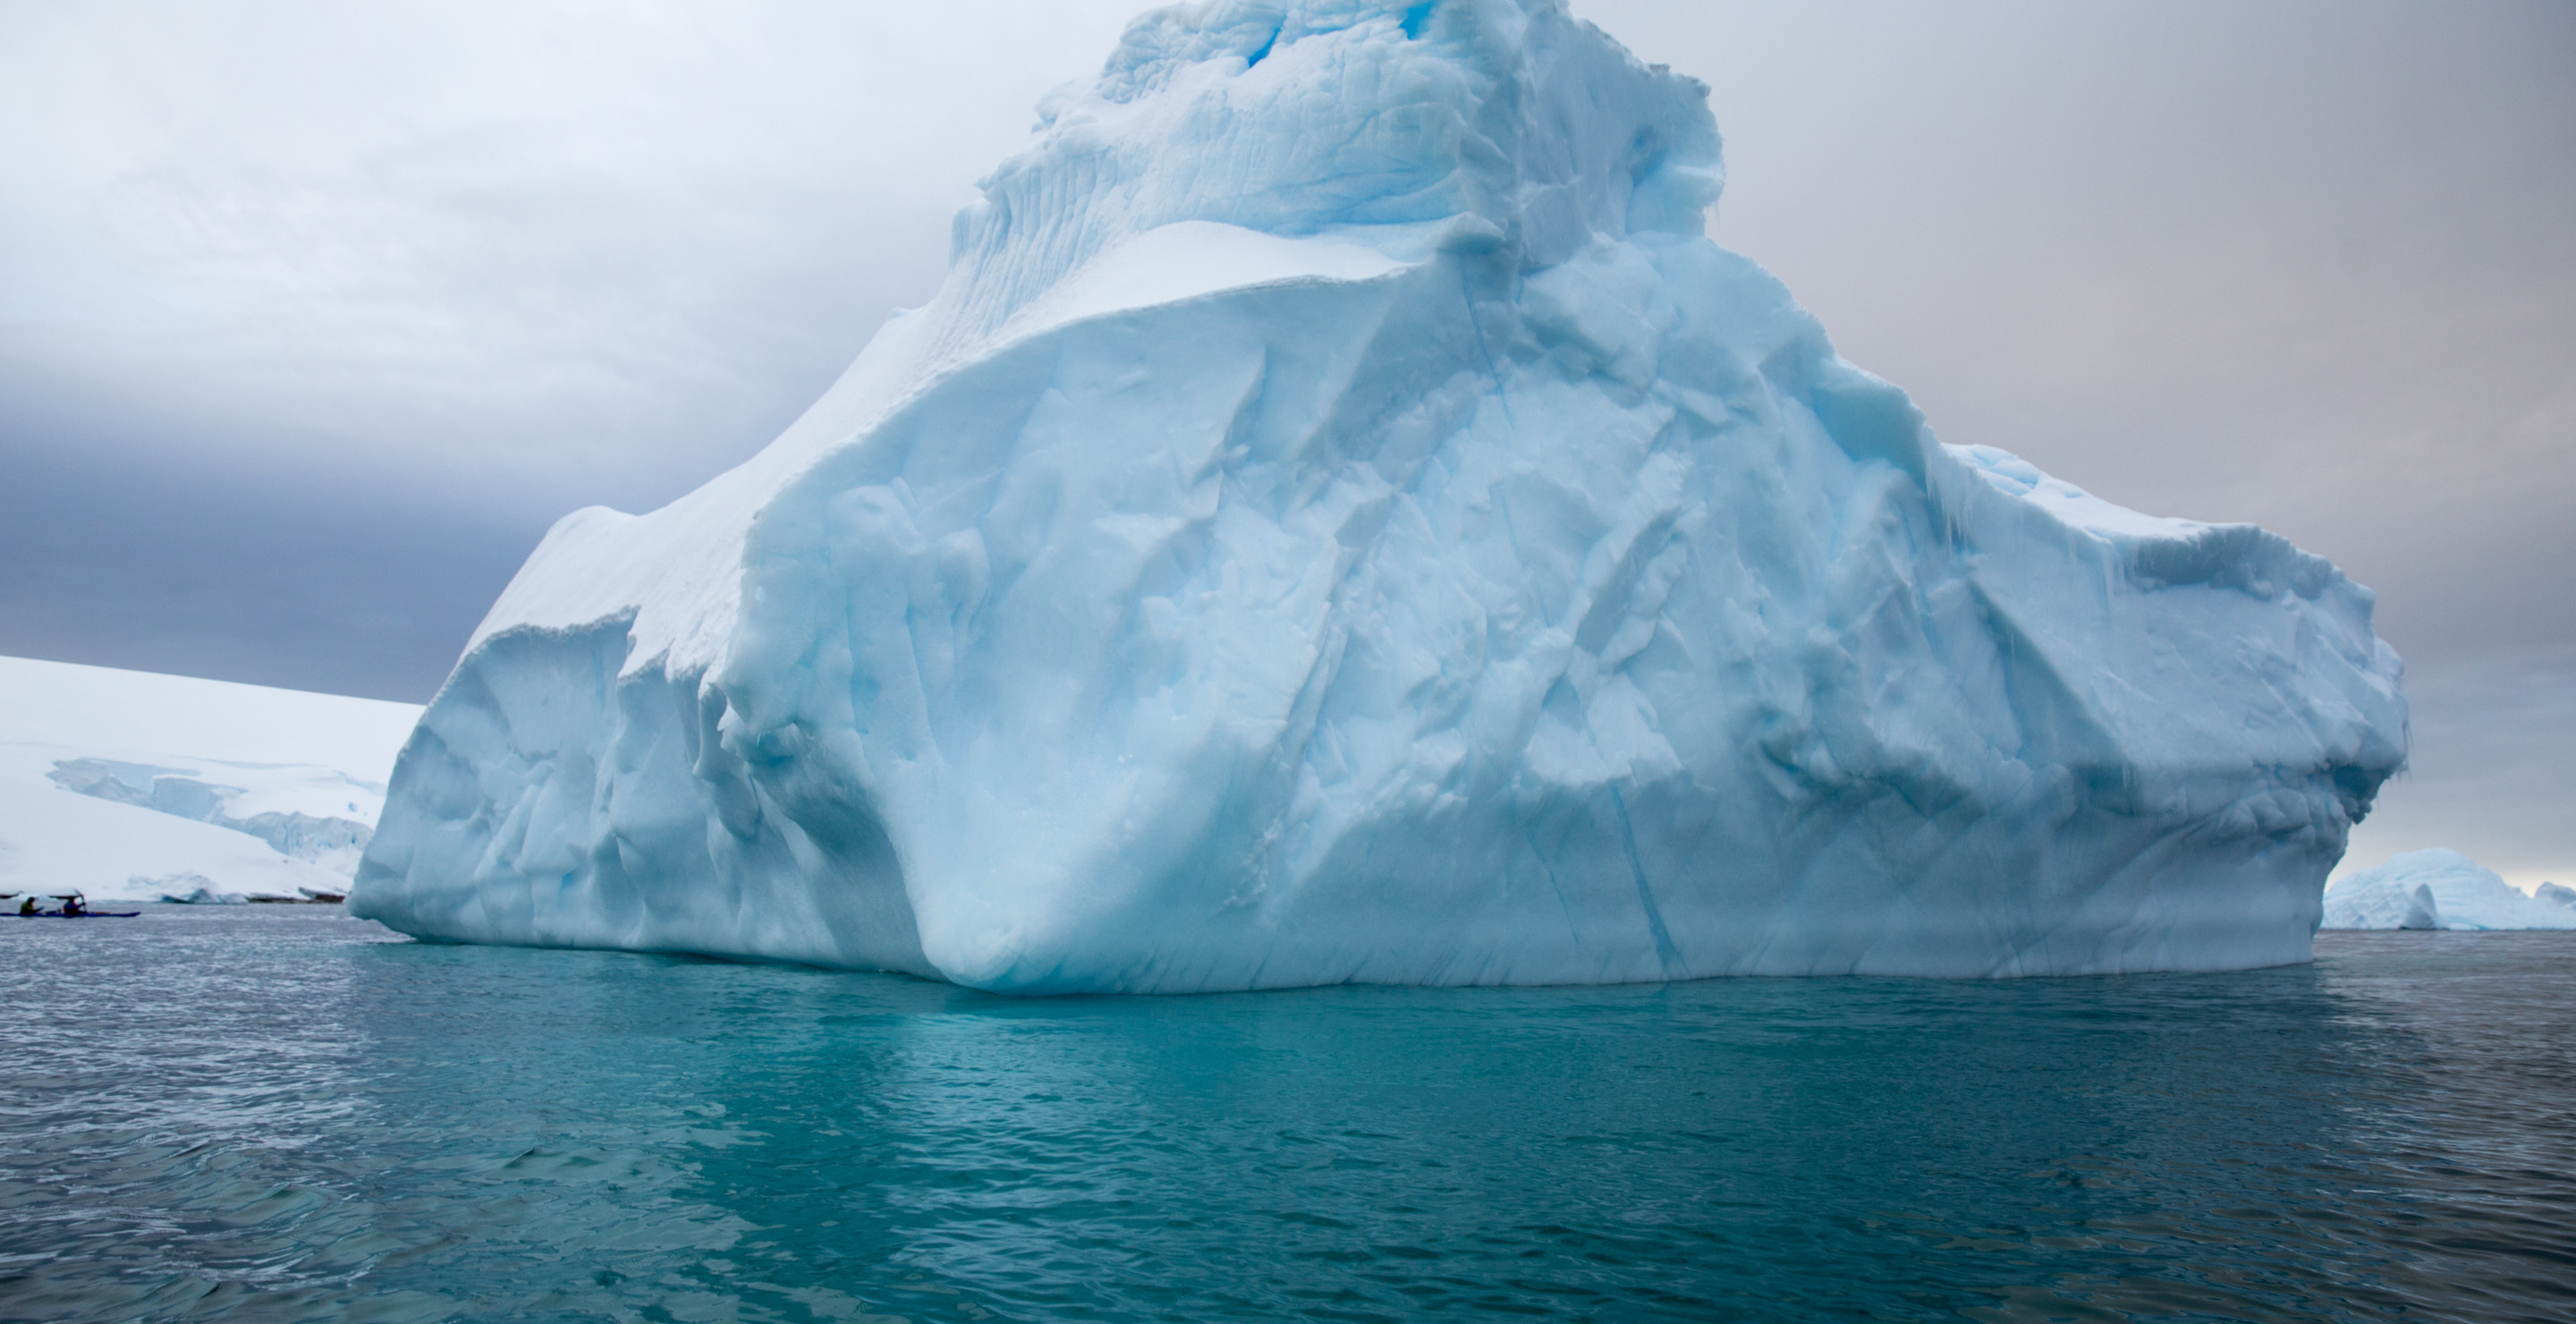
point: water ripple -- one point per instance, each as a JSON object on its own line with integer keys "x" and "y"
{"x": 294, "y": 1117}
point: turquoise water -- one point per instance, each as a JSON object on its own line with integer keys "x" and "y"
{"x": 256, "y": 1115}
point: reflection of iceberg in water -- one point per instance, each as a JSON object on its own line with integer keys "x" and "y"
{"x": 912, "y": 1146}
{"x": 1412, "y": 1150}
{"x": 400, "y": 1130}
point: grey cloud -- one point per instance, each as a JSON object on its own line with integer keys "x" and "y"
{"x": 487, "y": 237}
{"x": 335, "y": 579}
{"x": 2493, "y": 764}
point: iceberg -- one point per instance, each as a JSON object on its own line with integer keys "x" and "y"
{"x": 2557, "y": 894}
{"x": 2457, "y": 893}
{"x": 1341, "y": 519}
{"x": 2383, "y": 901}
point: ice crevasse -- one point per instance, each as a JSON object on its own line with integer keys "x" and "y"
{"x": 1341, "y": 520}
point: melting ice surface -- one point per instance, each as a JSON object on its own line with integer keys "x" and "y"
{"x": 1340, "y": 520}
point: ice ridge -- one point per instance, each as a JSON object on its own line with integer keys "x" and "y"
{"x": 1341, "y": 520}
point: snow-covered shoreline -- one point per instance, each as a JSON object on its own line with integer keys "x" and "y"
{"x": 113, "y": 782}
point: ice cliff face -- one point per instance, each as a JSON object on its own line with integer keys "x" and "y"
{"x": 1340, "y": 520}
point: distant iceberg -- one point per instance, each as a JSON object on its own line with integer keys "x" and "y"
{"x": 1340, "y": 520}
{"x": 2383, "y": 901}
{"x": 2459, "y": 893}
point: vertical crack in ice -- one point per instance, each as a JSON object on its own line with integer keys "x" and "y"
{"x": 1556, "y": 885}
{"x": 1665, "y": 955}
{"x": 1266, "y": 47}
{"x": 1485, "y": 347}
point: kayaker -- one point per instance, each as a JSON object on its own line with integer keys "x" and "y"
{"x": 72, "y": 908}
{"x": 28, "y": 906}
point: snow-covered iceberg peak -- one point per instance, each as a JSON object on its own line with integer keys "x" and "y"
{"x": 1340, "y": 520}
{"x": 1475, "y": 123}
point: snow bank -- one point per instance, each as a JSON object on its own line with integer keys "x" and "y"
{"x": 114, "y": 782}
{"x": 2462, "y": 896}
{"x": 1340, "y": 520}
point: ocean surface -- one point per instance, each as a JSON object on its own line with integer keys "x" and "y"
{"x": 285, "y": 1114}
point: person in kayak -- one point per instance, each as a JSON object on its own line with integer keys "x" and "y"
{"x": 72, "y": 908}
{"x": 28, "y": 906}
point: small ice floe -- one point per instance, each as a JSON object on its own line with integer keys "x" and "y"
{"x": 305, "y": 896}
{"x": 196, "y": 889}
{"x": 185, "y": 889}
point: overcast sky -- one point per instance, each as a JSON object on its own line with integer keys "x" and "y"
{"x": 313, "y": 316}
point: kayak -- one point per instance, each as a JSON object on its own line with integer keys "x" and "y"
{"x": 86, "y": 914}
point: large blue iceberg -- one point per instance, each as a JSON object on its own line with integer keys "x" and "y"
{"x": 1340, "y": 520}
